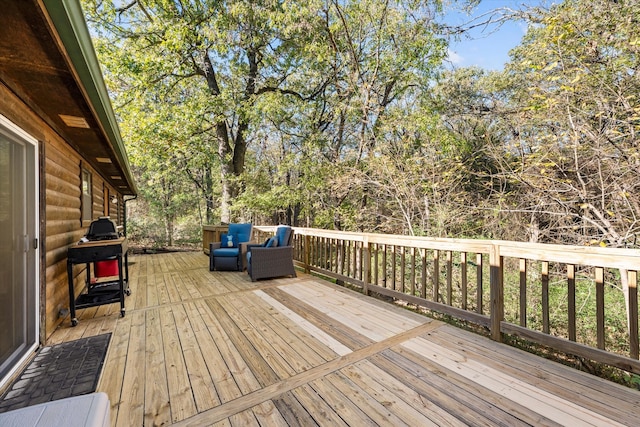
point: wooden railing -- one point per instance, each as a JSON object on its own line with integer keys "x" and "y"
{"x": 578, "y": 300}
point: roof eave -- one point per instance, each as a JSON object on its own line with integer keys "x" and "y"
{"x": 68, "y": 19}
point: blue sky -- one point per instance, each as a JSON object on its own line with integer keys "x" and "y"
{"x": 490, "y": 46}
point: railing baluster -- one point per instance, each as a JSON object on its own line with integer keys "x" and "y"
{"x": 366, "y": 273}
{"x": 545, "y": 297}
{"x": 403, "y": 265}
{"x": 394, "y": 254}
{"x": 307, "y": 258}
{"x": 523, "y": 292}
{"x": 571, "y": 301}
{"x": 423, "y": 281}
{"x": 632, "y": 276}
{"x": 376, "y": 265}
{"x": 449, "y": 278}
{"x": 356, "y": 270}
{"x": 326, "y": 263}
{"x": 343, "y": 250}
{"x": 463, "y": 278}
{"x": 413, "y": 271}
{"x": 361, "y": 252}
{"x": 436, "y": 274}
{"x": 479, "y": 290}
{"x": 344, "y": 268}
{"x": 600, "y": 307}
{"x": 347, "y": 259}
{"x": 334, "y": 255}
{"x": 385, "y": 276}
{"x": 353, "y": 257}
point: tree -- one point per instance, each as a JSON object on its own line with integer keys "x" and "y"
{"x": 216, "y": 57}
{"x": 583, "y": 111}
{"x": 581, "y": 107}
{"x": 379, "y": 56}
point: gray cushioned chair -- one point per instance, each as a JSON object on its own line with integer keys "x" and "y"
{"x": 274, "y": 258}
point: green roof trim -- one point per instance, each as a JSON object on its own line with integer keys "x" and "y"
{"x": 68, "y": 18}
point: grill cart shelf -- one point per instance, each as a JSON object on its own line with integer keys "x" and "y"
{"x": 101, "y": 291}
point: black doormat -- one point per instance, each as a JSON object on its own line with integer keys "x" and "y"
{"x": 63, "y": 370}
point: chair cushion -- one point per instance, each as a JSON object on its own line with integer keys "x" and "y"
{"x": 283, "y": 233}
{"x": 225, "y": 252}
{"x": 241, "y": 231}
{"x": 272, "y": 242}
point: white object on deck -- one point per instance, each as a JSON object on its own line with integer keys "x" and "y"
{"x": 89, "y": 410}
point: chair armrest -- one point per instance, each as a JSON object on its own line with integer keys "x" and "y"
{"x": 215, "y": 245}
{"x": 244, "y": 246}
{"x": 254, "y": 245}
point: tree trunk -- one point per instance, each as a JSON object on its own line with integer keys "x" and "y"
{"x": 231, "y": 158}
{"x": 227, "y": 194}
{"x": 169, "y": 231}
{"x": 208, "y": 193}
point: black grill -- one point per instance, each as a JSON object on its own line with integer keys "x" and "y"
{"x": 102, "y": 229}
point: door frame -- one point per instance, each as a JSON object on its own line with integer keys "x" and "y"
{"x": 33, "y": 229}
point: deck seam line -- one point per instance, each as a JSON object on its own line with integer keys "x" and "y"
{"x": 257, "y": 397}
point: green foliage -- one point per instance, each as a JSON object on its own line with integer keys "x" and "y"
{"x": 339, "y": 115}
{"x": 579, "y": 108}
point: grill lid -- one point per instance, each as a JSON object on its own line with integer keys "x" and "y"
{"x": 104, "y": 228}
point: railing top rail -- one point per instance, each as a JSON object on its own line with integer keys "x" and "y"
{"x": 570, "y": 254}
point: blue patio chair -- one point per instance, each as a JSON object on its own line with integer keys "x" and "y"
{"x": 229, "y": 253}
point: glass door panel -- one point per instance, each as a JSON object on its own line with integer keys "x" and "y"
{"x": 18, "y": 296}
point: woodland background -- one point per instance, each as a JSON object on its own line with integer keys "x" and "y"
{"x": 343, "y": 114}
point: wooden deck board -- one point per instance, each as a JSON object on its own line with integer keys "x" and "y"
{"x": 157, "y": 410}
{"x": 128, "y": 406}
{"x": 181, "y": 389}
{"x": 567, "y": 384}
{"x": 460, "y": 397}
{"x": 202, "y": 385}
{"x": 213, "y": 348}
{"x": 295, "y": 352}
{"x": 344, "y": 334}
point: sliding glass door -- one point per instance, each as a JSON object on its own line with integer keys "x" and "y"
{"x": 18, "y": 253}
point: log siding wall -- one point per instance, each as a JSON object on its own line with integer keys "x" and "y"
{"x": 60, "y": 203}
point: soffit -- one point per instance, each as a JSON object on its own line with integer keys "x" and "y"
{"x": 38, "y": 65}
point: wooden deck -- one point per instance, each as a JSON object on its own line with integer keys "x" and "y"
{"x": 201, "y": 348}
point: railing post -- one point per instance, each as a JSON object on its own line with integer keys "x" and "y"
{"x": 497, "y": 292}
